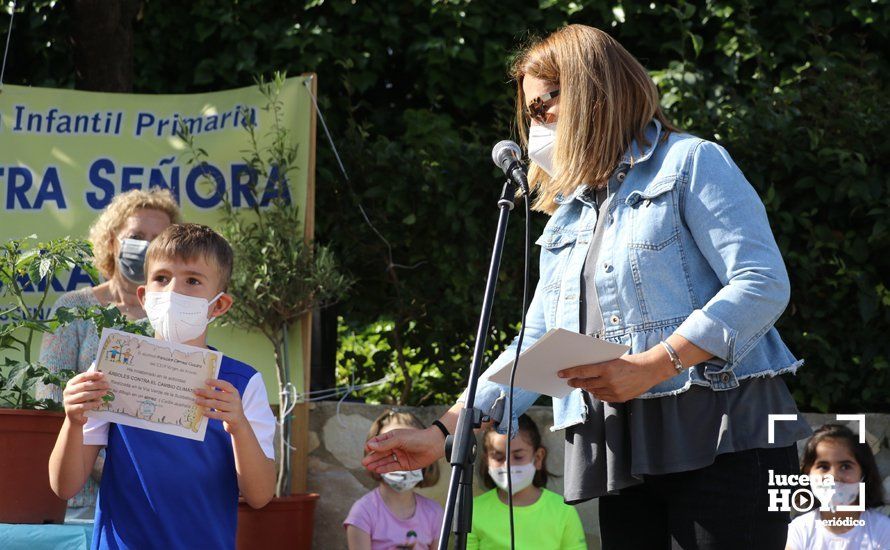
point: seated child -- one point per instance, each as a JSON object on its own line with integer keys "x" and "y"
{"x": 393, "y": 515}
{"x": 159, "y": 490}
{"x": 541, "y": 519}
{"x": 835, "y": 450}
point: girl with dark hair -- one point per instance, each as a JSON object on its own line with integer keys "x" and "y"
{"x": 836, "y": 464}
{"x": 542, "y": 519}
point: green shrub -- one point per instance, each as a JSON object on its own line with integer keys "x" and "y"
{"x": 416, "y": 93}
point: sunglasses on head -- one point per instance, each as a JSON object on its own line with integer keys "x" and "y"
{"x": 537, "y": 108}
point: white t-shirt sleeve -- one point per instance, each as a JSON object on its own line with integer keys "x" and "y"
{"x": 95, "y": 431}
{"x": 255, "y": 402}
{"x": 800, "y": 532}
{"x": 878, "y": 528}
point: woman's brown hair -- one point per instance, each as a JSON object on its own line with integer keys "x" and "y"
{"x": 606, "y": 100}
{"x": 874, "y": 493}
{"x": 400, "y": 418}
{"x": 529, "y": 430}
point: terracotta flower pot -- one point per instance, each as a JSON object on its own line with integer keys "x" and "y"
{"x": 26, "y": 441}
{"x": 286, "y": 522}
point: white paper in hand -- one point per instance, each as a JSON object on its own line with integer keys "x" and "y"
{"x": 557, "y": 350}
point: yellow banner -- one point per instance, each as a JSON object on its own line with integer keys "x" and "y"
{"x": 64, "y": 154}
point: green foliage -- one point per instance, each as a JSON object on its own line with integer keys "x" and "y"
{"x": 102, "y": 317}
{"x": 24, "y": 265}
{"x": 39, "y": 49}
{"x": 372, "y": 354}
{"x": 415, "y": 93}
{"x": 19, "y": 380}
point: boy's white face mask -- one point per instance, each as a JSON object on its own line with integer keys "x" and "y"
{"x": 176, "y": 317}
{"x": 541, "y": 138}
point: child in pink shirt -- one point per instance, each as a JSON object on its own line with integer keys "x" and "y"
{"x": 393, "y": 515}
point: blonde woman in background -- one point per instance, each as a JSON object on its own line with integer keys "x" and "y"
{"x": 120, "y": 237}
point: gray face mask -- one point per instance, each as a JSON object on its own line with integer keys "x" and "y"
{"x": 131, "y": 260}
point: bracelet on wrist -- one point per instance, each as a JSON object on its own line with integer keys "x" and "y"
{"x": 675, "y": 359}
{"x": 442, "y": 428}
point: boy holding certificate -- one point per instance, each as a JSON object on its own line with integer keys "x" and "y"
{"x": 159, "y": 490}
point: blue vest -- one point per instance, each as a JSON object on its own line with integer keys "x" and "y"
{"x": 163, "y": 491}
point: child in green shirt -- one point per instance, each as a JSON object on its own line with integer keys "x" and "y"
{"x": 542, "y": 521}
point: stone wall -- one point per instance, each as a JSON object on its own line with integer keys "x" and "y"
{"x": 335, "y": 471}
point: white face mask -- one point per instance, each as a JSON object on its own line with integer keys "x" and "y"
{"x": 403, "y": 481}
{"x": 522, "y": 476}
{"x": 833, "y": 493}
{"x": 177, "y": 317}
{"x": 541, "y": 138}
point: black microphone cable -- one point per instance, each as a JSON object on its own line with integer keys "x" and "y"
{"x": 507, "y": 156}
{"x": 526, "y": 277}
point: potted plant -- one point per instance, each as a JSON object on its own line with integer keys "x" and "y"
{"x": 279, "y": 277}
{"x": 29, "y": 426}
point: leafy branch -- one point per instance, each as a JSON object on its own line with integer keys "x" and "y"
{"x": 28, "y": 265}
{"x": 279, "y": 275}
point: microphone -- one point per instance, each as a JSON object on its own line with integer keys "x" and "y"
{"x": 506, "y": 155}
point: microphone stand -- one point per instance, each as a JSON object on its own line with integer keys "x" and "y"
{"x": 460, "y": 448}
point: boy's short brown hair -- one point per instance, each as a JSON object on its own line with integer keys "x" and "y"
{"x": 186, "y": 241}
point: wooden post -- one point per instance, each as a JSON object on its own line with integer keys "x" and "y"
{"x": 300, "y": 423}
{"x": 299, "y": 429}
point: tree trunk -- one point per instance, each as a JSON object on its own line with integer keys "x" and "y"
{"x": 102, "y": 35}
{"x": 282, "y": 483}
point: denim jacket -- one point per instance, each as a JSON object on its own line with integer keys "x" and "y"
{"x": 687, "y": 248}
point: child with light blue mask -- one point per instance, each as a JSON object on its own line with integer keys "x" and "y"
{"x": 393, "y": 515}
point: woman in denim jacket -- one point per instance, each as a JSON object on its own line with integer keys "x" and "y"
{"x": 655, "y": 240}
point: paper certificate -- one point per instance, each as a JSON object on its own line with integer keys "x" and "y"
{"x": 152, "y": 383}
{"x": 558, "y": 349}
